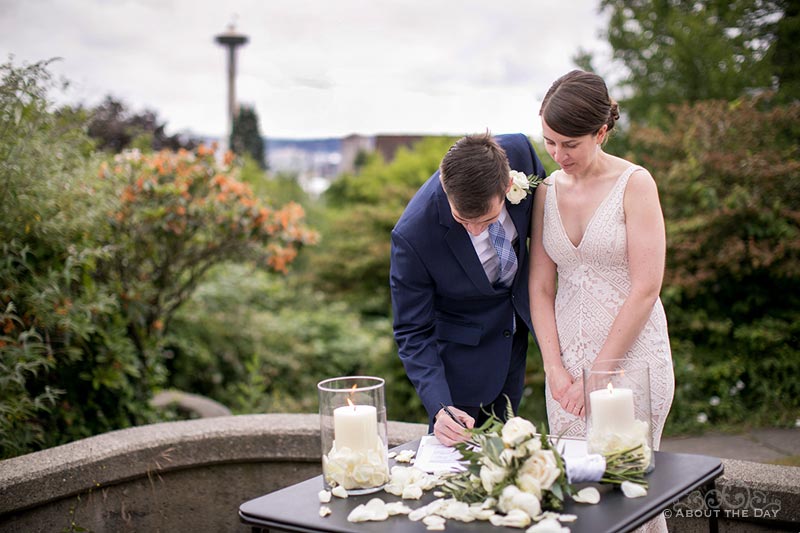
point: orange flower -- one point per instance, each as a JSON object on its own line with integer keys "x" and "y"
{"x": 128, "y": 195}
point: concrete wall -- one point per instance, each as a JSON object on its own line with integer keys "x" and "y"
{"x": 177, "y": 476}
{"x": 193, "y": 475}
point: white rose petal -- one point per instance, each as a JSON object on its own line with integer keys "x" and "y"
{"x": 339, "y": 491}
{"x": 412, "y": 492}
{"x": 324, "y": 496}
{"x": 405, "y": 456}
{"x": 418, "y": 513}
{"x": 359, "y": 514}
{"x": 515, "y": 518}
{"x": 588, "y": 495}
{"x": 395, "y": 508}
{"x": 548, "y": 525}
{"x": 632, "y": 490}
{"x": 434, "y": 523}
{"x": 392, "y": 455}
{"x": 324, "y": 511}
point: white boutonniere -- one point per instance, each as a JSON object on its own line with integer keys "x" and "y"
{"x": 521, "y": 186}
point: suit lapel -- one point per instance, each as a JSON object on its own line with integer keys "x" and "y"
{"x": 460, "y": 244}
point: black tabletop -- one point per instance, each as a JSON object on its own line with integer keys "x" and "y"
{"x": 296, "y": 508}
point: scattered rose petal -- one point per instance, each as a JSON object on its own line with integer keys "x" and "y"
{"x": 412, "y": 492}
{"x": 587, "y": 495}
{"x": 405, "y": 456}
{"x": 395, "y": 508}
{"x": 339, "y": 491}
{"x": 548, "y": 525}
{"x": 324, "y": 511}
{"x": 324, "y": 496}
{"x": 434, "y": 523}
{"x": 392, "y": 455}
{"x": 515, "y": 518}
{"x": 632, "y": 490}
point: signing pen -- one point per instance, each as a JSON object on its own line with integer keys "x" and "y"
{"x": 451, "y": 415}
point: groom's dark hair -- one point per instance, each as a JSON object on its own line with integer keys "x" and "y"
{"x": 474, "y": 172}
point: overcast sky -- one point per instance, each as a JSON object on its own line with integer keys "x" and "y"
{"x": 313, "y": 68}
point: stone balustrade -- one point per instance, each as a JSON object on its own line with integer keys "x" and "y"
{"x": 193, "y": 475}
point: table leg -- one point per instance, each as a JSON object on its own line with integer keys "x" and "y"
{"x": 709, "y": 491}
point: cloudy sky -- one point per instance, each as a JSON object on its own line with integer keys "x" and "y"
{"x": 313, "y": 68}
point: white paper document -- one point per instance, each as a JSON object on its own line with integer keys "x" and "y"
{"x": 435, "y": 458}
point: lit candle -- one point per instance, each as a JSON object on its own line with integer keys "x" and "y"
{"x": 355, "y": 427}
{"x": 612, "y": 410}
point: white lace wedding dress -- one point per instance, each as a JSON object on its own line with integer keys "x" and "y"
{"x": 593, "y": 282}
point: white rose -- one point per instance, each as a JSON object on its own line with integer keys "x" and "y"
{"x": 491, "y": 475}
{"x": 519, "y": 187}
{"x": 516, "y": 430}
{"x": 528, "y": 483}
{"x": 542, "y": 467}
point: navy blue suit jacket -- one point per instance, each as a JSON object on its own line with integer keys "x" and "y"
{"x": 453, "y": 328}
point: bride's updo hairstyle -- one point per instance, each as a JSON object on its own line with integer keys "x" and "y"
{"x": 578, "y": 104}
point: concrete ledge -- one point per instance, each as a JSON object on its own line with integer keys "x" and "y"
{"x": 35, "y": 481}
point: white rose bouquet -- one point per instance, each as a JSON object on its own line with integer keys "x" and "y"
{"x": 511, "y": 466}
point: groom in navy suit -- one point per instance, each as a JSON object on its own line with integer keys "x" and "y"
{"x": 459, "y": 283}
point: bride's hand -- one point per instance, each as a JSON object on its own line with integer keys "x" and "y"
{"x": 559, "y": 381}
{"x": 572, "y": 400}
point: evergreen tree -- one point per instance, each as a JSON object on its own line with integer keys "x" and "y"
{"x": 246, "y": 137}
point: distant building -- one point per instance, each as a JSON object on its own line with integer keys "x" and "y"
{"x": 352, "y": 145}
{"x": 387, "y": 145}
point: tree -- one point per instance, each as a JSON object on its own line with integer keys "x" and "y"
{"x": 728, "y": 183}
{"x": 691, "y": 50}
{"x": 115, "y": 128}
{"x": 246, "y": 137}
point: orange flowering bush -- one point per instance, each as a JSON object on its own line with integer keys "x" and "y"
{"x": 175, "y": 215}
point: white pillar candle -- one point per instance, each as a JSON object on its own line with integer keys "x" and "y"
{"x": 612, "y": 410}
{"x": 355, "y": 427}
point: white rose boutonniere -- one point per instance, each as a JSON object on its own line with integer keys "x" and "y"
{"x": 521, "y": 185}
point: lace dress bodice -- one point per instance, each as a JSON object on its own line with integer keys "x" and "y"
{"x": 593, "y": 283}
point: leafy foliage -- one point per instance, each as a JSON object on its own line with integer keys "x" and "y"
{"x": 96, "y": 263}
{"x": 688, "y": 51}
{"x": 729, "y": 185}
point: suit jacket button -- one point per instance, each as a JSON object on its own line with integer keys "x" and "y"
{"x": 507, "y": 333}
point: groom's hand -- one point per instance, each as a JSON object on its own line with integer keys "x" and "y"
{"x": 448, "y": 431}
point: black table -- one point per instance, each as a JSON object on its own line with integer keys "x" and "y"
{"x": 296, "y": 508}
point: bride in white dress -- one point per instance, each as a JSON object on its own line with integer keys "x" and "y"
{"x": 598, "y": 248}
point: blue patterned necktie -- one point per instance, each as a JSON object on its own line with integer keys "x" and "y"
{"x": 505, "y": 252}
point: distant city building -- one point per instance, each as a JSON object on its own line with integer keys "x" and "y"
{"x": 317, "y": 162}
{"x": 387, "y": 145}
{"x": 352, "y": 145}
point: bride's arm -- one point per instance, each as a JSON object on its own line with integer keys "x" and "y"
{"x": 542, "y": 292}
{"x": 645, "y": 232}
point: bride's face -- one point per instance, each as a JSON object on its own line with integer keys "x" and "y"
{"x": 573, "y": 154}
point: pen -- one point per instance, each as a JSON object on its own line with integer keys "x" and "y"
{"x": 451, "y": 415}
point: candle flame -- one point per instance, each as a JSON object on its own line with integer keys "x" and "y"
{"x": 352, "y": 391}
{"x": 610, "y": 388}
